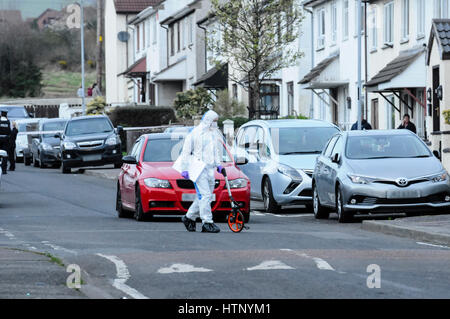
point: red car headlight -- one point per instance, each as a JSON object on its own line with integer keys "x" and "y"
{"x": 157, "y": 183}
{"x": 238, "y": 183}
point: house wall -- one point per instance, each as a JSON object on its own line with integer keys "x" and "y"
{"x": 440, "y": 141}
{"x": 115, "y": 56}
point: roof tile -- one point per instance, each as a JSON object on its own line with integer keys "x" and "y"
{"x": 134, "y": 6}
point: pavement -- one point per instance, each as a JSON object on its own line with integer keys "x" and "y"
{"x": 434, "y": 228}
{"x": 107, "y": 173}
{"x": 287, "y": 255}
{"x": 31, "y": 275}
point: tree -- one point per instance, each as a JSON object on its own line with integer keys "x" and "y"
{"x": 227, "y": 106}
{"x": 192, "y": 102}
{"x": 256, "y": 38}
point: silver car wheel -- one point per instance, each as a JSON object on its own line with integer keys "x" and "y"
{"x": 315, "y": 201}
{"x": 266, "y": 196}
{"x": 338, "y": 203}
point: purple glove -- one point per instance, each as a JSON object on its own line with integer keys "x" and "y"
{"x": 220, "y": 168}
{"x": 185, "y": 175}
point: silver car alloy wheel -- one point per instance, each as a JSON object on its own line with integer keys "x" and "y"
{"x": 338, "y": 203}
{"x": 266, "y": 195}
{"x": 315, "y": 201}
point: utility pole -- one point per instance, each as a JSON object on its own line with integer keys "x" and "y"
{"x": 82, "y": 57}
{"x": 99, "y": 64}
{"x": 359, "y": 65}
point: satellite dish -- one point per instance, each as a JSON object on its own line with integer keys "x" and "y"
{"x": 123, "y": 36}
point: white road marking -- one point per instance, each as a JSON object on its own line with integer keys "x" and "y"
{"x": 56, "y": 247}
{"x": 320, "y": 263}
{"x": 180, "y": 268}
{"x": 432, "y": 245}
{"x": 270, "y": 265}
{"x": 122, "y": 276}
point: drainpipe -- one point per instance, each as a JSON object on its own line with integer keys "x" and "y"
{"x": 311, "y": 107}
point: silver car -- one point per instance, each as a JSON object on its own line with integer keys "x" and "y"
{"x": 391, "y": 171}
{"x": 278, "y": 157}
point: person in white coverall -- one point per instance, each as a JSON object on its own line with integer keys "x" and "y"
{"x": 205, "y": 144}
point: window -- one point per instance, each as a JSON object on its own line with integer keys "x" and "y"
{"x": 172, "y": 39}
{"x": 337, "y": 149}
{"x": 441, "y": 9}
{"x": 389, "y": 22}
{"x": 290, "y": 96}
{"x": 183, "y": 34}
{"x": 420, "y": 18}
{"x": 374, "y": 30}
{"x": 143, "y": 36}
{"x": 138, "y": 39}
{"x": 405, "y": 20}
{"x": 333, "y": 22}
{"x": 321, "y": 29}
{"x": 154, "y": 28}
{"x": 329, "y": 148}
{"x": 345, "y": 18}
{"x": 178, "y": 37}
{"x": 363, "y": 18}
{"x": 191, "y": 29}
{"x": 270, "y": 97}
{"x": 235, "y": 91}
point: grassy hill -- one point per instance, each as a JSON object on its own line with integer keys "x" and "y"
{"x": 57, "y": 84}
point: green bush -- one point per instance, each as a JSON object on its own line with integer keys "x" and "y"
{"x": 192, "y": 102}
{"x": 227, "y": 106}
{"x": 293, "y": 117}
{"x": 96, "y": 106}
{"x": 140, "y": 116}
{"x": 446, "y": 114}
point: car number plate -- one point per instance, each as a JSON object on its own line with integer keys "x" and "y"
{"x": 403, "y": 194}
{"x": 192, "y": 196}
{"x": 91, "y": 158}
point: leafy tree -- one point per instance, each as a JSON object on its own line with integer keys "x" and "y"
{"x": 256, "y": 38}
{"x": 192, "y": 102}
{"x": 20, "y": 75}
{"x": 227, "y": 106}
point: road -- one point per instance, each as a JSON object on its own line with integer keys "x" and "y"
{"x": 290, "y": 255}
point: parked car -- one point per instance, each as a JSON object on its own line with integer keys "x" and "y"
{"x": 90, "y": 141}
{"x": 278, "y": 156}
{"x": 148, "y": 184}
{"x": 15, "y": 112}
{"x": 23, "y": 141}
{"x": 392, "y": 171}
{"x": 45, "y": 146}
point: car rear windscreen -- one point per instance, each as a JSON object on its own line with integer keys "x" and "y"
{"x": 301, "y": 140}
{"x": 53, "y": 126}
{"x": 168, "y": 150}
{"x": 16, "y": 112}
{"x": 385, "y": 146}
{"x": 88, "y": 126}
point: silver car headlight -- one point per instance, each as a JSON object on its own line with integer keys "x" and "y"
{"x": 441, "y": 177}
{"x": 112, "y": 141}
{"x": 157, "y": 183}
{"x": 46, "y": 147}
{"x": 69, "y": 145}
{"x": 238, "y": 183}
{"x": 290, "y": 172}
{"x": 358, "y": 179}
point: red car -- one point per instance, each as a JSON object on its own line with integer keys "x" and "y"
{"x": 148, "y": 185}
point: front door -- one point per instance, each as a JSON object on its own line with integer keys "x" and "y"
{"x": 374, "y": 114}
{"x": 436, "y": 102}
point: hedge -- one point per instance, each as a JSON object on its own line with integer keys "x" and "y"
{"x": 141, "y": 116}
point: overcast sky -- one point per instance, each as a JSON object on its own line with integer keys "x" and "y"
{"x": 33, "y": 8}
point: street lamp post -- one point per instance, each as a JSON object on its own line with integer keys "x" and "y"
{"x": 359, "y": 64}
{"x": 83, "y": 101}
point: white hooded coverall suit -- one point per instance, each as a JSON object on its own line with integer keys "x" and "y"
{"x": 205, "y": 144}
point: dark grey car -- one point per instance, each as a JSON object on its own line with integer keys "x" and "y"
{"x": 45, "y": 146}
{"x": 361, "y": 172}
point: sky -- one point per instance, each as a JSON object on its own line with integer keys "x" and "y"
{"x": 33, "y": 8}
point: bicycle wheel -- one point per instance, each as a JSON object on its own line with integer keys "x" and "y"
{"x": 236, "y": 222}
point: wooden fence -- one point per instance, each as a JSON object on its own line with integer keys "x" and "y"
{"x": 48, "y": 111}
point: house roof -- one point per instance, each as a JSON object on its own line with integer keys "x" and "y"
{"x": 177, "y": 16}
{"x": 396, "y": 66}
{"x": 10, "y": 16}
{"x": 440, "y": 30}
{"x": 216, "y": 77}
{"x": 139, "y": 68}
{"x": 134, "y": 6}
{"x": 315, "y": 72}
